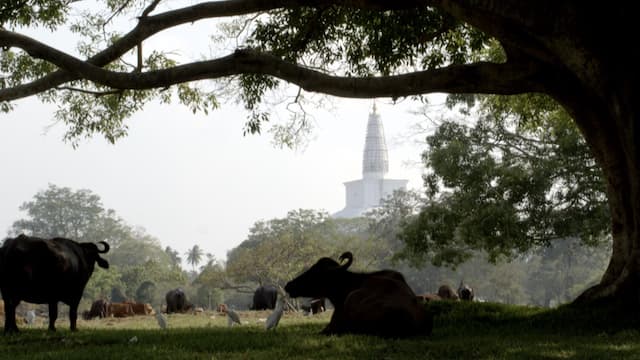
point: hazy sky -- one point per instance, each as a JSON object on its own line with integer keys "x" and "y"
{"x": 194, "y": 179}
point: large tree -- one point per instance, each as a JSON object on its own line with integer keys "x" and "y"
{"x": 570, "y": 51}
{"x": 76, "y": 214}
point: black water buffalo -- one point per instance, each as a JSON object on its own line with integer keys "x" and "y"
{"x": 264, "y": 298}
{"x": 377, "y": 303}
{"x": 99, "y": 308}
{"x": 177, "y": 301}
{"x": 46, "y": 271}
{"x": 314, "y": 306}
{"x": 465, "y": 292}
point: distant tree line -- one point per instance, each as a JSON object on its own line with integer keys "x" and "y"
{"x": 277, "y": 250}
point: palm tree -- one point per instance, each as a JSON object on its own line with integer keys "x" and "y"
{"x": 194, "y": 256}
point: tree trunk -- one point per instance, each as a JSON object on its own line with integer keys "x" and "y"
{"x": 612, "y": 133}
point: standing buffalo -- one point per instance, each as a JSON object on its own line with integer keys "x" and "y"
{"x": 378, "y": 303}
{"x": 45, "y": 271}
{"x": 313, "y": 306}
{"x": 177, "y": 301}
{"x": 264, "y": 298}
{"x": 99, "y": 308}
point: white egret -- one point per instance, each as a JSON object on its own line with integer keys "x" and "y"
{"x": 31, "y": 317}
{"x": 232, "y": 317}
{"x": 276, "y": 315}
{"x": 162, "y": 321}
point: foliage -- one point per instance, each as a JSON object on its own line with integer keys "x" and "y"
{"x": 146, "y": 292}
{"x": 101, "y": 283}
{"x": 519, "y": 177}
{"x": 174, "y": 256}
{"x": 49, "y": 13}
{"x": 336, "y": 39}
{"x": 367, "y": 41}
{"x": 62, "y": 212}
{"x": 277, "y": 250}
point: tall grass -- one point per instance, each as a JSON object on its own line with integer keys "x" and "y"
{"x": 461, "y": 331}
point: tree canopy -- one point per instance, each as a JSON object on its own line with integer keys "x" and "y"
{"x": 359, "y": 49}
{"x": 518, "y": 177}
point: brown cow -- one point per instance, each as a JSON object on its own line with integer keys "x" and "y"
{"x": 430, "y": 297}
{"x": 379, "y": 303}
{"x": 121, "y": 310}
{"x": 221, "y": 308}
{"x": 446, "y": 292}
{"x": 140, "y": 308}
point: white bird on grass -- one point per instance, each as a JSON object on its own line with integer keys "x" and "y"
{"x": 232, "y": 317}
{"x": 276, "y": 315}
{"x": 162, "y": 321}
{"x": 31, "y": 317}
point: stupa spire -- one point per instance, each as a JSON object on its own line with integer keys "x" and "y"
{"x": 375, "y": 160}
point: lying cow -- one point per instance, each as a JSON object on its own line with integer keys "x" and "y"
{"x": 140, "y": 308}
{"x": 120, "y": 310}
{"x": 46, "y": 271}
{"x": 446, "y": 292}
{"x": 430, "y": 297}
{"x": 378, "y": 303}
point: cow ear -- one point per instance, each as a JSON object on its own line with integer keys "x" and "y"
{"x": 102, "y": 262}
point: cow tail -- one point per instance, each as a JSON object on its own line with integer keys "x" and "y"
{"x": 106, "y": 247}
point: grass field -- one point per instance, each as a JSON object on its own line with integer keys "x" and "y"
{"x": 462, "y": 331}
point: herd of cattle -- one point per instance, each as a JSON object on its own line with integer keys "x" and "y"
{"x": 48, "y": 271}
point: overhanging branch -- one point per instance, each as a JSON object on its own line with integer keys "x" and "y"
{"x": 482, "y": 77}
{"x": 150, "y": 25}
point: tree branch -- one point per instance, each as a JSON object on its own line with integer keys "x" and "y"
{"x": 150, "y": 25}
{"x": 482, "y": 77}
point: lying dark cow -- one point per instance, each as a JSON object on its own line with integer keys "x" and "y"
{"x": 378, "y": 303}
{"x": 99, "y": 309}
{"x": 44, "y": 271}
{"x": 264, "y": 298}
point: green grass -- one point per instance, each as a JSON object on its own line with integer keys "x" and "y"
{"x": 462, "y": 331}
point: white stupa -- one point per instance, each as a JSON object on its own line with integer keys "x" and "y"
{"x": 366, "y": 193}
